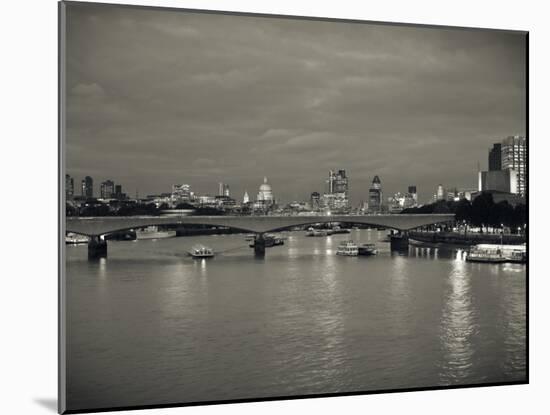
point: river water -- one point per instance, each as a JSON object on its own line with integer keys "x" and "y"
{"x": 150, "y": 325}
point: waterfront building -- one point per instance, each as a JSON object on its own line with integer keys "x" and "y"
{"x": 500, "y": 180}
{"x": 375, "y": 195}
{"x": 207, "y": 201}
{"x": 87, "y": 187}
{"x": 246, "y": 198}
{"x": 107, "y": 189}
{"x": 181, "y": 193}
{"x": 315, "y": 201}
{"x": 514, "y": 156}
{"x": 495, "y": 157}
{"x": 69, "y": 187}
{"x": 225, "y": 202}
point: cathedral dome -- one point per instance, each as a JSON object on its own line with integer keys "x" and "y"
{"x": 265, "y": 194}
{"x": 265, "y": 186}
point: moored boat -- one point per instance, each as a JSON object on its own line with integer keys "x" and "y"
{"x": 367, "y": 249}
{"x": 492, "y": 253}
{"x": 347, "y": 248}
{"x": 201, "y": 251}
{"x": 337, "y": 229}
{"x": 75, "y": 239}
{"x": 152, "y": 232}
{"x": 270, "y": 240}
{"x": 317, "y": 232}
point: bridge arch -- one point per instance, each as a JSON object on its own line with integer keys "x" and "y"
{"x": 152, "y": 223}
{"x": 252, "y": 224}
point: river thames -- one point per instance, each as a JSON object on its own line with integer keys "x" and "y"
{"x": 150, "y": 325}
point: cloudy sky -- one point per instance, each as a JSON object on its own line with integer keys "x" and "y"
{"x": 161, "y": 97}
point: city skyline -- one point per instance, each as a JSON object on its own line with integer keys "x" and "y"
{"x": 287, "y": 99}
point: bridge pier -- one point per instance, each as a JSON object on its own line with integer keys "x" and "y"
{"x": 259, "y": 246}
{"x": 97, "y": 248}
{"x": 399, "y": 241}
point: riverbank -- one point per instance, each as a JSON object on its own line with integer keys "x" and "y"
{"x": 457, "y": 238}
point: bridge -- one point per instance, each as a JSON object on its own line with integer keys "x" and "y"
{"x": 96, "y": 228}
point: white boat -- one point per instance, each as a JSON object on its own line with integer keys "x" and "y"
{"x": 201, "y": 251}
{"x": 367, "y": 249}
{"x": 492, "y": 253}
{"x": 347, "y": 248}
{"x": 75, "y": 239}
{"x": 152, "y": 232}
{"x": 337, "y": 229}
{"x": 317, "y": 232}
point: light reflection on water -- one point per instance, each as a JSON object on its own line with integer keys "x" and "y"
{"x": 457, "y": 326}
{"x": 150, "y": 325}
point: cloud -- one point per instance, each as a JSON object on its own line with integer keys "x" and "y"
{"x": 160, "y": 97}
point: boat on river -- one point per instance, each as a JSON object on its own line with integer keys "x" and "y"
{"x": 337, "y": 229}
{"x": 75, "y": 239}
{"x": 201, "y": 251}
{"x": 497, "y": 254}
{"x": 367, "y": 249}
{"x": 317, "y": 232}
{"x": 152, "y": 232}
{"x": 347, "y": 248}
{"x": 270, "y": 241}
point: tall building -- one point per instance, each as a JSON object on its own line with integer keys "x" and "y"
{"x": 440, "y": 194}
{"x": 69, "y": 187}
{"x": 514, "y": 156}
{"x": 495, "y": 157}
{"x": 107, "y": 189}
{"x": 87, "y": 187}
{"x": 246, "y": 198}
{"x": 375, "y": 195}
{"x": 337, "y": 197}
{"x": 118, "y": 193}
{"x": 315, "y": 201}
{"x": 330, "y": 181}
{"x": 412, "y": 192}
{"x": 340, "y": 183}
{"x": 500, "y": 180}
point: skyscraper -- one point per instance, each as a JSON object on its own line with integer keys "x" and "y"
{"x": 69, "y": 187}
{"x": 514, "y": 156}
{"x": 413, "y": 194}
{"x": 246, "y": 198}
{"x": 107, "y": 189}
{"x": 337, "y": 196}
{"x": 495, "y": 157}
{"x": 375, "y": 195}
{"x": 440, "y": 192}
{"x": 87, "y": 187}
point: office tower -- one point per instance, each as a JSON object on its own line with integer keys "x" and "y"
{"x": 107, "y": 189}
{"x": 87, "y": 187}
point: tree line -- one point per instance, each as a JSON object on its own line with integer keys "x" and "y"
{"x": 483, "y": 211}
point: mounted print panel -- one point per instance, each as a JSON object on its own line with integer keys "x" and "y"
{"x": 262, "y": 207}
